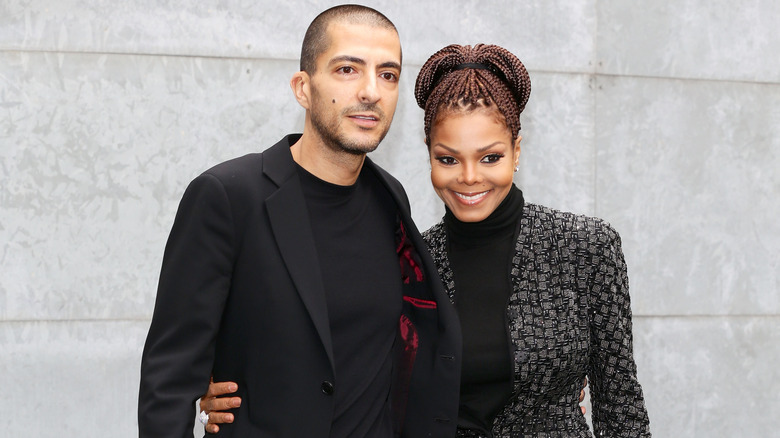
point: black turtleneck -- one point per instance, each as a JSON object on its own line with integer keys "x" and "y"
{"x": 480, "y": 254}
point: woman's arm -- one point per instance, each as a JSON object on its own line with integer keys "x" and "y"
{"x": 616, "y": 396}
{"x": 213, "y": 404}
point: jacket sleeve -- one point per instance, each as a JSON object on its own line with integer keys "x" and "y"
{"x": 616, "y": 396}
{"x": 194, "y": 282}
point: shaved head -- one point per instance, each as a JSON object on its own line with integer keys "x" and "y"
{"x": 316, "y": 40}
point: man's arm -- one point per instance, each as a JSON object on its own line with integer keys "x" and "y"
{"x": 194, "y": 282}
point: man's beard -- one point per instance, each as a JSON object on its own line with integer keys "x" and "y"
{"x": 329, "y": 130}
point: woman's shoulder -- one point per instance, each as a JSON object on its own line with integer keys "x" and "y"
{"x": 434, "y": 234}
{"x": 538, "y": 217}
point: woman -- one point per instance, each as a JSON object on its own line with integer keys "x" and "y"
{"x": 542, "y": 295}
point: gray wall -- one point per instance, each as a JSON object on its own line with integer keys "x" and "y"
{"x": 662, "y": 117}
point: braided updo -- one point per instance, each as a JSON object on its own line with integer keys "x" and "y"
{"x": 464, "y": 78}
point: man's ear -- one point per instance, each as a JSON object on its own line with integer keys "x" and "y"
{"x": 301, "y": 88}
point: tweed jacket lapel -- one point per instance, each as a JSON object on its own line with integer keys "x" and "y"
{"x": 436, "y": 238}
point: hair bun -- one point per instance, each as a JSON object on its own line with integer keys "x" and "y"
{"x": 500, "y": 62}
{"x": 437, "y": 66}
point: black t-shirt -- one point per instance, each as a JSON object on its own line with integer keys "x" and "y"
{"x": 354, "y": 232}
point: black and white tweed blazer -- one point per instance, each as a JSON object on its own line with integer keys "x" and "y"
{"x": 568, "y": 316}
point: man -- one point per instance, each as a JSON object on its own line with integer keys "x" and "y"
{"x": 298, "y": 273}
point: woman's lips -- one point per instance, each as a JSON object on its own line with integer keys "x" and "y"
{"x": 470, "y": 198}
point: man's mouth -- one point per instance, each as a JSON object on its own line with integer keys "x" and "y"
{"x": 361, "y": 117}
{"x": 365, "y": 121}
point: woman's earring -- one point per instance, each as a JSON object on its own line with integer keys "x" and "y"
{"x": 517, "y": 167}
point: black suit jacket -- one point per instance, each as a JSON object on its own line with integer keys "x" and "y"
{"x": 241, "y": 298}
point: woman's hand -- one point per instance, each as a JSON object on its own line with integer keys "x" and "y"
{"x": 212, "y": 404}
{"x": 582, "y": 394}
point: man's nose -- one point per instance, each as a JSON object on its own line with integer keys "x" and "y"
{"x": 369, "y": 92}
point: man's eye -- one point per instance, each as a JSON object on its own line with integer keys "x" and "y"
{"x": 391, "y": 77}
{"x": 346, "y": 70}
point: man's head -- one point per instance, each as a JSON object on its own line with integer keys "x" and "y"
{"x": 349, "y": 82}
{"x": 316, "y": 39}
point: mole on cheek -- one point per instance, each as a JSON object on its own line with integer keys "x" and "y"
{"x": 334, "y": 100}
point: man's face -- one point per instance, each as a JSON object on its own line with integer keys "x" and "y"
{"x": 354, "y": 90}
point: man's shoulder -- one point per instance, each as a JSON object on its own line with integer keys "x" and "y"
{"x": 393, "y": 186}
{"x": 236, "y": 175}
{"x": 253, "y": 165}
{"x": 243, "y": 164}
{"x": 385, "y": 176}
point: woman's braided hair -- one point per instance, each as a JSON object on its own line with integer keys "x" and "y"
{"x": 464, "y": 78}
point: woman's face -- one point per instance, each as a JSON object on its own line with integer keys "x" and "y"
{"x": 472, "y": 162}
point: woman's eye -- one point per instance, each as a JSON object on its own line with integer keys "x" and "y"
{"x": 447, "y": 161}
{"x": 492, "y": 158}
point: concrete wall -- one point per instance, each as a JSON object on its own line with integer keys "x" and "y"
{"x": 661, "y": 117}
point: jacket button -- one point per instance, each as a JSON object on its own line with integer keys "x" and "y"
{"x": 327, "y": 387}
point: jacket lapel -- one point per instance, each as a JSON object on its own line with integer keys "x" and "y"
{"x": 290, "y": 225}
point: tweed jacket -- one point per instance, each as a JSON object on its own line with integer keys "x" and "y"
{"x": 568, "y": 316}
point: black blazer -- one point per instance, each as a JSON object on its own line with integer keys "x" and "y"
{"x": 240, "y": 298}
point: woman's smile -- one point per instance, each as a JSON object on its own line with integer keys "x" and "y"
{"x": 471, "y": 198}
